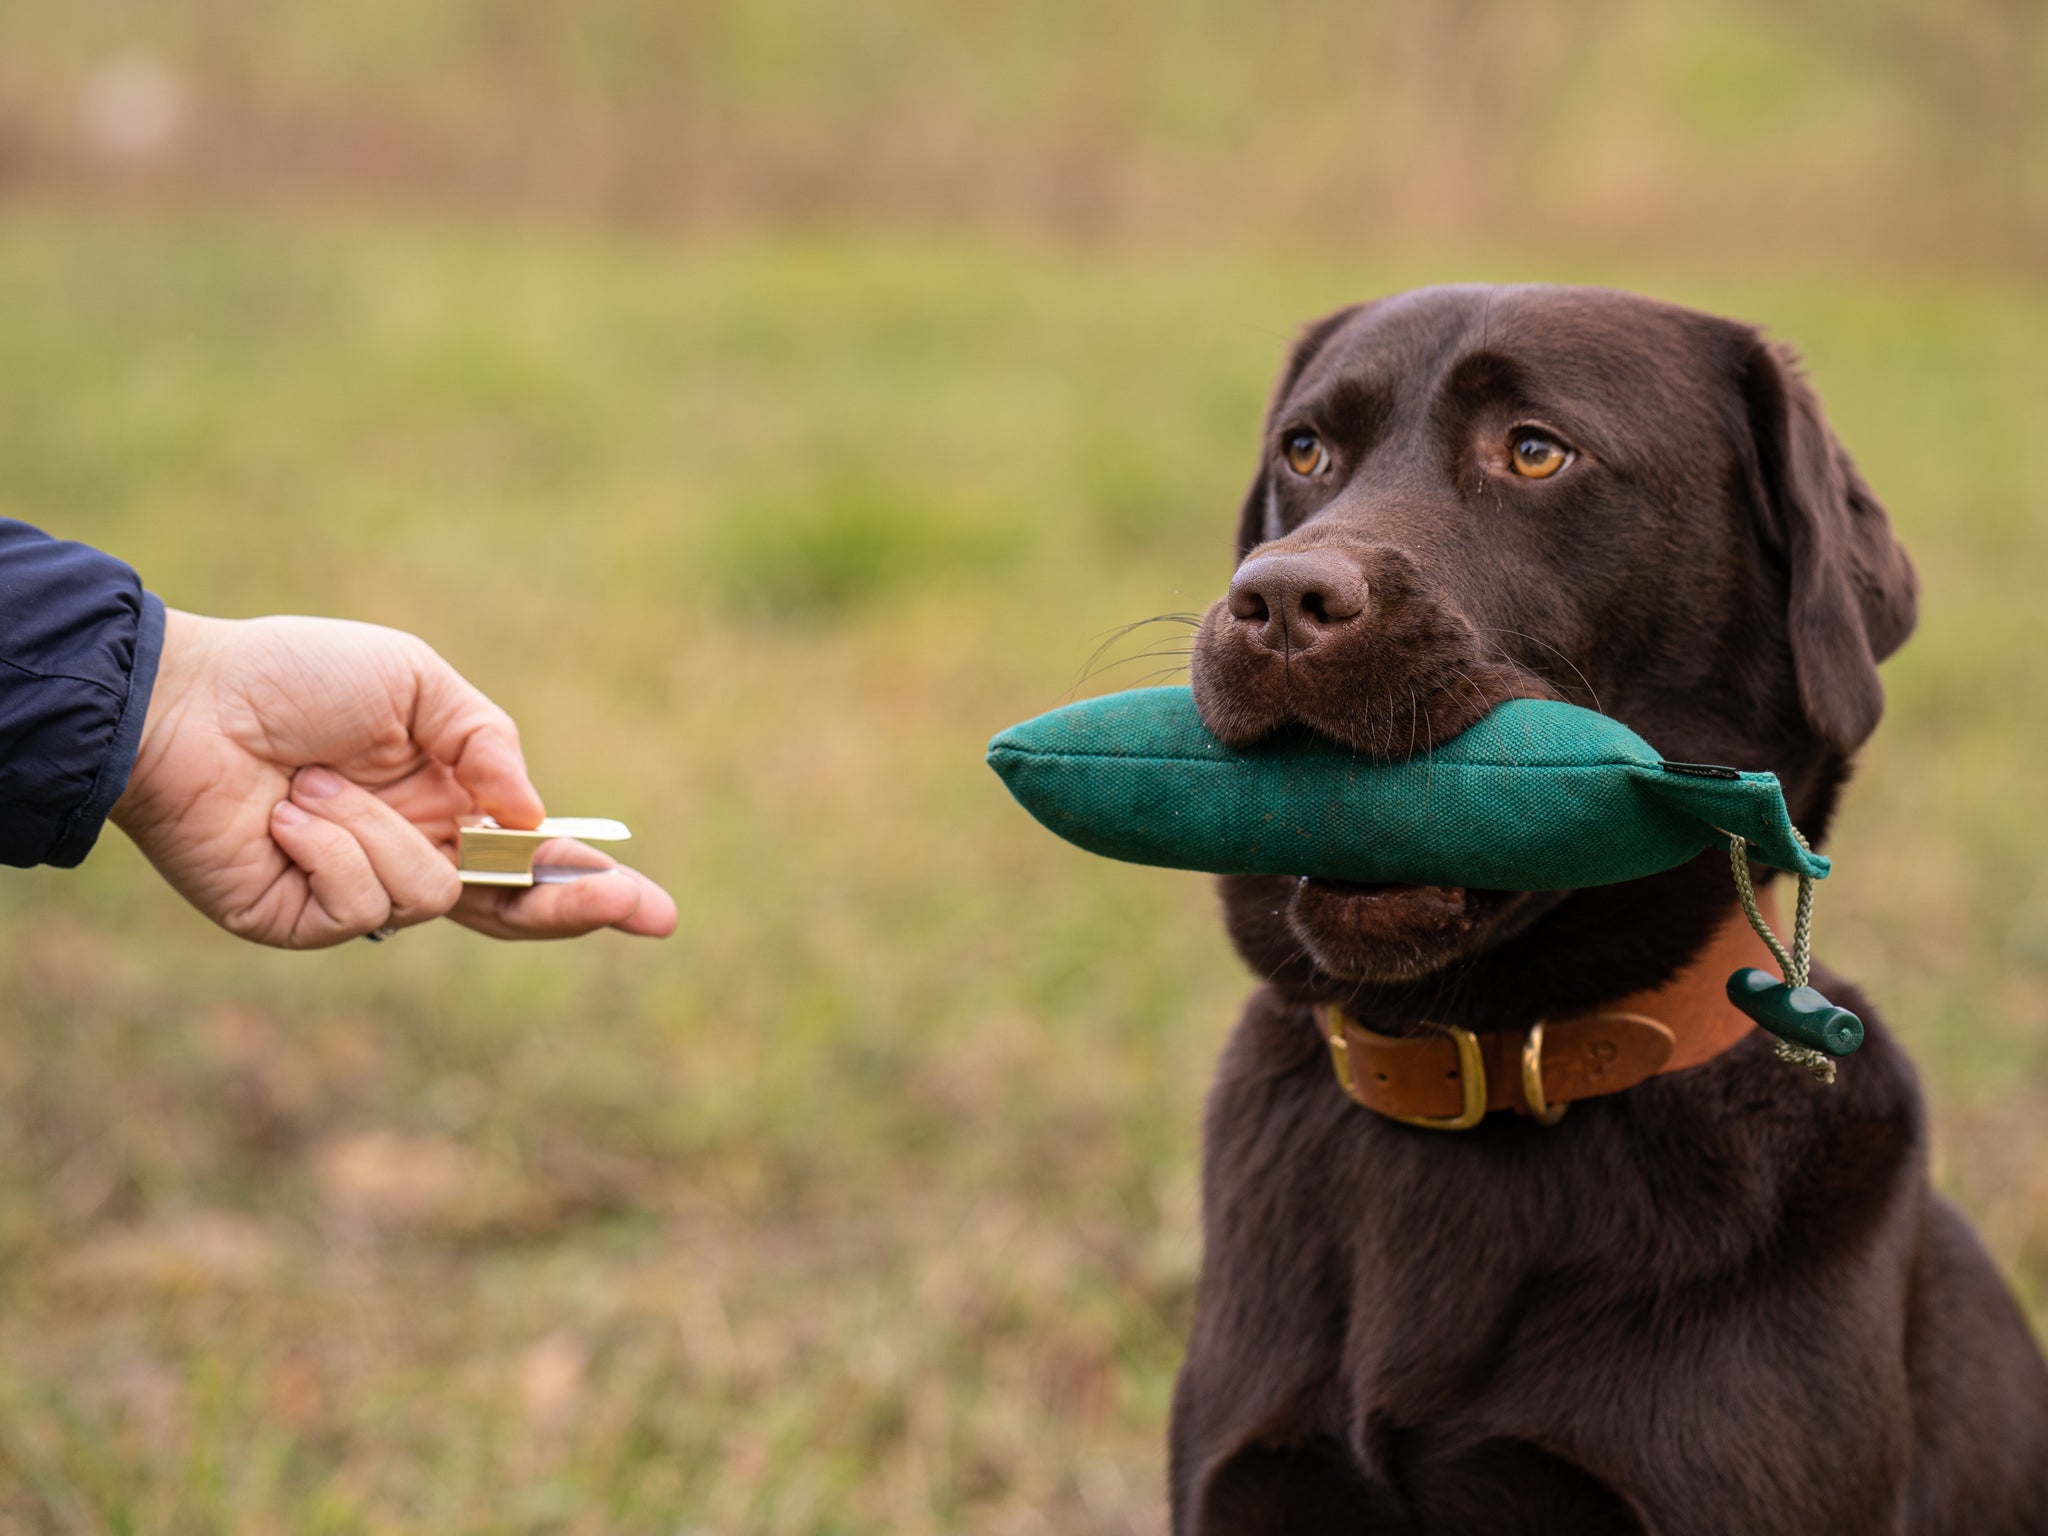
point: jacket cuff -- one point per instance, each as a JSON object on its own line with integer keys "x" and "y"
{"x": 83, "y": 829}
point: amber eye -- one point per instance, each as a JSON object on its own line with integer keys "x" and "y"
{"x": 1538, "y": 455}
{"x": 1305, "y": 453}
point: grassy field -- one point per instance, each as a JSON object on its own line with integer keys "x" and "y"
{"x": 1733, "y": 129}
{"x": 867, "y": 1203}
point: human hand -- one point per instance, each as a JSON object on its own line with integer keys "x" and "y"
{"x": 300, "y": 781}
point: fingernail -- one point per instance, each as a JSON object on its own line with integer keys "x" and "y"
{"x": 318, "y": 783}
{"x": 290, "y": 814}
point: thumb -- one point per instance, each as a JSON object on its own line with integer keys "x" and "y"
{"x": 456, "y": 725}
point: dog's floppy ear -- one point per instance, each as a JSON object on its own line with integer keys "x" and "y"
{"x": 1251, "y": 517}
{"x": 1851, "y": 593}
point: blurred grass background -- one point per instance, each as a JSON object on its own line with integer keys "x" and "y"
{"x": 766, "y": 402}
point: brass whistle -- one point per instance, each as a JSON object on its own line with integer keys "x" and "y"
{"x": 495, "y": 855}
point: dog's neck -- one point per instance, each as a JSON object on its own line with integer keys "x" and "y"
{"x": 1452, "y": 1078}
{"x": 1694, "y": 1004}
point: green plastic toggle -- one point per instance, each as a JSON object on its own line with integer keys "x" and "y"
{"x": 1798, "y": 1014}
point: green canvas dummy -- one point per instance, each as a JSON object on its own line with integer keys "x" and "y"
{"x": 1538, "y": 796}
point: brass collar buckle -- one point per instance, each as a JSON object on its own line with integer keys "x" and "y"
{"x": 1471, "y": 1077}
{"x": 1471, "y": 1072}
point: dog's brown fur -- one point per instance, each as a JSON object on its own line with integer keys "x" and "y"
{"x": 1726, "y": 1300}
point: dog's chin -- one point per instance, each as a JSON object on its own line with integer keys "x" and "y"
{"x": 1398, "y": 933}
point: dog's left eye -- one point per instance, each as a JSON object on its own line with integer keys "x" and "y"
{"x": 1305, "y": 452}
{"x": 1537, "y": 455}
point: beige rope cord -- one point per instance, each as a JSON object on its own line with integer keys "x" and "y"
{"x": 1795, "y": 963}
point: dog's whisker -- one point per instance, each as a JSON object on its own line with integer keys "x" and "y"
{"x": 1186, "y": 620}
{"x": 1299, "y": 952}
{"x": 1184, "y": 655}
{"x": 1095, "y": 657}
{"x": 1591, "y": 692}
{"x": 1478, "y": 693}
{"x": 1190, "y": 619}
{"x": 1164, "y": 650}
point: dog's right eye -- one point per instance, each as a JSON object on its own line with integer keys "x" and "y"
{"x": 1305, "y": 453}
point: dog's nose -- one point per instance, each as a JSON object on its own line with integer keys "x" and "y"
{"x": 1291, "y": 600}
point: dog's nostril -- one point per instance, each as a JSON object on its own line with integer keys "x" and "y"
{"x": 1248, "y": 605}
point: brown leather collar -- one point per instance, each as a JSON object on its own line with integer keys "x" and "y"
{"x": 1451, "y": 1080}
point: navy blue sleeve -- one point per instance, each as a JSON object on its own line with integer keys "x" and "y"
{"x": 79, "y": 641}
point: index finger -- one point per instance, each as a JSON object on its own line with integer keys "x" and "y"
{"x": 455, "y": 724}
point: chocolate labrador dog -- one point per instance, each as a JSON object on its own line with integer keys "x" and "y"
{"x": 1723, "y": 1299}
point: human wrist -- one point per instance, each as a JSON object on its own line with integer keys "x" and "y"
{"x": 183, "y": 660}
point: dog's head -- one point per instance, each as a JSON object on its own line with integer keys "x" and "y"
{"x": 1471, "y": 494}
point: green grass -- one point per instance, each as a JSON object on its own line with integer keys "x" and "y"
{"x": 868, "y": 1202}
